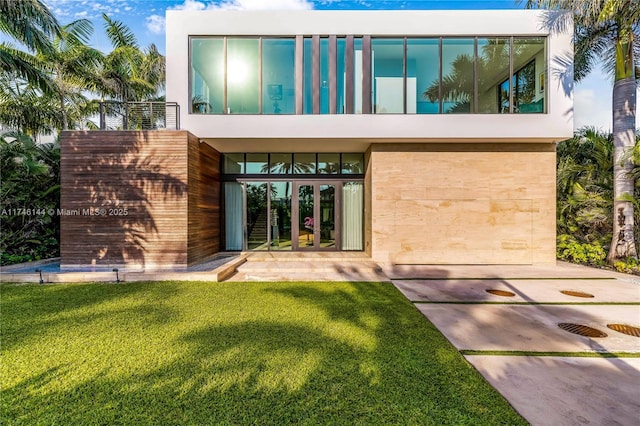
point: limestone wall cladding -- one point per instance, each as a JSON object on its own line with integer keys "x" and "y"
{"x": 463, "y": 203}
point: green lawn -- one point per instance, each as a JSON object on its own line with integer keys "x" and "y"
{"x": 174, "y": 353}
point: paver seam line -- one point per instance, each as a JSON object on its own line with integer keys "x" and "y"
{"x": 460, "y": 302}
{"x": 502, "y": 278}
{"x": 594, "y": 354}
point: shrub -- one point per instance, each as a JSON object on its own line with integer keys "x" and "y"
{"x": 574, "y": 251}
{"x": 628, "y": 266}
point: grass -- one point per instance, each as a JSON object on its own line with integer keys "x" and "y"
{"x": 175, "y": 353}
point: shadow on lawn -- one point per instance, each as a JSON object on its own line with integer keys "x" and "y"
{"x": 48, "y": 307}
{"x": 374, "y": 360}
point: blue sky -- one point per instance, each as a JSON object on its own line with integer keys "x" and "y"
{"x": 592, "y": 96}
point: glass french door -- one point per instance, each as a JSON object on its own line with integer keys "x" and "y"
{"x": 315, "y": 207}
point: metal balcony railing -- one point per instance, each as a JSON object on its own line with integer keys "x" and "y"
{"x": 139, "y": 115}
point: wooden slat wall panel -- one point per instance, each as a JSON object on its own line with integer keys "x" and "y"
{"x": 144, "y": 172}
{"x": 204, "y": 201}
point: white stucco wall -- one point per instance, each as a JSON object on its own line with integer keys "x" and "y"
{"x": 556, "y": 125}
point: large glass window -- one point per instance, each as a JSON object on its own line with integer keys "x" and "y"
{"x": 243, "y": 76}
{"x": 307, "y": 79}
{"x": 324, "y": 75}
{"x": 529, "y": 75}
{"x": 387, "y": 68}
{"x": 304, "y": 163}
{"x": 257, "y": 225}
{"x": 278, "y": 76}
{"x": 457, "y": 75}
{"x": 281, "y": 215}
{"x": 357, "y": 74}
{"x": 280, "y": 163}
{"x": 233, "y": 164}
{"x": 353, "y": 163}
{"x": 207, "y": 75}
{"x": 328, "y": 163}
{"x": 408, "y": 75}
{"x": 493, "y": 69}
{"x": 257, "y": 163}
{"x": 341, "y": 44}
{"x": 423, "y": 76}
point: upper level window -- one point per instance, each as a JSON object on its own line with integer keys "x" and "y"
{"x": 207, "y": 75}
{"x": 364, "y": 75}
{"x": 387, "y": 68}
{"x": 529, "y": 79}
{"x": 458, "y": 76}
{"x": 423, "y": 72}
{"x": 243, "y": 76}
{"x": 493, "y": 69}
{"x": 278, "y": 76}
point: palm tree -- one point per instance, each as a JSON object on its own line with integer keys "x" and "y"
{"x": 73, "y": 66}
{"x": 32, "y": 25}
{"x": 585, "y": 186}
{"x": 129, "y": 73}
{"x": 606, "y": 30}
{"x": 24, "y": 108}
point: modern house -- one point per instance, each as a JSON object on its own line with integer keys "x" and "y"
{"x": 416, "y": 137}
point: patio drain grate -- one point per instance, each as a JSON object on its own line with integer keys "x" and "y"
{"x": 576, "y": 293}
{"x": 625, "y": 329}
{"x": 503, "y": 293}
{"x": 581, "y": 330}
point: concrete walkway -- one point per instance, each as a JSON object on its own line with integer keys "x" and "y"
{"x": 513, "y": 338}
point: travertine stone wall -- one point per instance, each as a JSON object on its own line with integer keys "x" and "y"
{"x": 139, "y": 199}
{"x": 481, "y": 203}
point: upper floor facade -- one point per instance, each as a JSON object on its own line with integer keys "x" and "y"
{"x": 370, "y": 76}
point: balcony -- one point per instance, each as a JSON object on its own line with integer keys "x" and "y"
{"x": 139, "y": 115}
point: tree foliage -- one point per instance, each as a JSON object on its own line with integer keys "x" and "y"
{"x": 606, "y": 32}
{"x": 48, "y": 77}
{"x": 585, "y": 195}
{"x": 29, "y": 198}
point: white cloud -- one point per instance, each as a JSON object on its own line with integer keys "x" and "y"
{"x": 155, "y": 24}
{"x": 265, "y": 4}
{"x": 245, "y": 5}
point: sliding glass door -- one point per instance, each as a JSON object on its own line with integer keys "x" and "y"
{"x": 316, "y": 205}
{"x": 296, "y": 215}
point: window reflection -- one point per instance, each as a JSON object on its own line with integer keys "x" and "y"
{"x": 412, "y": 75}
{"x": 423, "y": 58}
{"x": 280, "y": 164}
{"x": 207, "y": 81}
{"x": 324, "y": 75}
{"x": 307, "y": 72}
{"x": 388, "y": 76}
{"x": 353, "y": 163}
{"x": 457, "y": 76}
{"x": 304, "y": 163}
{"x": 493, "y": 69}
{"x": 243, "y": 79}
{"x": 529, "y": 75}
{"x": 328, "y": 163}
{"x": 278, "y": 81}
{"x": 341, "y": 44}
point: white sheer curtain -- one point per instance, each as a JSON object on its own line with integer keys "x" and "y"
{"x": 352, "y": 213}
{"x": 233, "y": 215}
